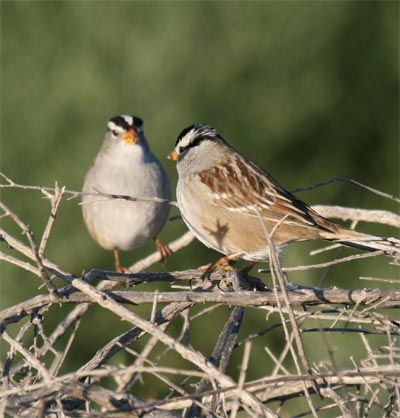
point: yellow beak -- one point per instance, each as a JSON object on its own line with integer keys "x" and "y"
{"x": 173, "y": 155}
{"x": 131, "y": 137}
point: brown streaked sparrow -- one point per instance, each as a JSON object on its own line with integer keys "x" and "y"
{"x": 125, "y": 166}
{"x": 229, "y": 203}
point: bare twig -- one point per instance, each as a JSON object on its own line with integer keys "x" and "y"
{"x": 35, "y": 251}
{"x": 55, "y": 203}
{"x": 242, "y": 377}
{"x": 45, "y": 190}
{"x": 221, "y": 354}
{"x": 328, "y": 263}
{"x": 299, "y": 296}
{"x": 278, "y": 276}
{"x": 365, "y": 215}
{"x": 351, "y": 181}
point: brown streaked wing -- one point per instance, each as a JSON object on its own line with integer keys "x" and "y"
{"x": 239, "y": 184}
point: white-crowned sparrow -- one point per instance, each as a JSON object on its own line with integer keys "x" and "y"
{"x": 125, "y": 166}
{"x": 229, "y": 202}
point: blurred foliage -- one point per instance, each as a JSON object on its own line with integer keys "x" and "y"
{"x": 309, "y": 90}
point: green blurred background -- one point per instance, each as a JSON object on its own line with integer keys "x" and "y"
{"x": 308, "y": 90}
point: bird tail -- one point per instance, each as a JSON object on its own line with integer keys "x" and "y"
{"x": 389, "y": 245}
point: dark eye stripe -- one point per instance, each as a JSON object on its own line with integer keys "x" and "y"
{"x": 195, "y": 142}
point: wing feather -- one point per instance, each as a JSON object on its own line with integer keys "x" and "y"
{"x": 239, "y": 185}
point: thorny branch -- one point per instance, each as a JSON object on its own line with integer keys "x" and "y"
{"x": 39, "y": 381}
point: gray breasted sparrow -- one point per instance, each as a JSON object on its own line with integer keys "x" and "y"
{"x": 228, "y": 202}
{"x": 125, "y": 166}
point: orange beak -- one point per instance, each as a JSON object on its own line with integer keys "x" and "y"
{"x": 173, "y": 155}
{"x": 131, "y": 137}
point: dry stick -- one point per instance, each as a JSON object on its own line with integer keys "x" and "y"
{"x": 109, "y": 196}
{"x": 19, "y": 263}
{"x": 182, "y": 337}
{"x": 366, "y": 383}
{"x": 56, "y": 366}
{"x": 74, "y": 194}
{"x": 193, "y": 356}
{"x": 36, "y": 311}
{"x": 284, "y": 352}
{"x": 365, "y": 215}
{"x": 329, "y": 392}
{"x": 277, "y": 273}
{"x": 242, "y": 377}
{"x": 128, "y": 380}
{"x": 141, "y": 358}
{"x": 328, "y": 263}
{"x": 55, "y": 203}
{"x": 336, "y": 257}
{"x": 7, "y": 372}
{"x": 153, "y": 369}
{"x": 166, "y": 314}
{"x": 371, "y": 402}
{"x": 370, "y": 298}
{"x": 351, "y": 181}
{"x": 30, "y": 359}
{"x": 378, "y": 279}
{"x": 278, "y": 364}
{"x": 369, "y": 350}
{"x": 23, "y": 249}
{"x": 231, "y": 330}
{"x": 215, "y": 277}
{"x": 221, "y": 353}
{"x": 38, "y": 259}
{"x": 37, "y": 322}
{"x": 323, "y": 314}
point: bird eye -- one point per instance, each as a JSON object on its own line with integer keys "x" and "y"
{"x": 114, "y": 133}
{"x": 180, "y": 150}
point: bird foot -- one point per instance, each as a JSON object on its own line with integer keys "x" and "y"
{"x": 164, "y": 251}
{"x": 224, "y": 263}
{"x": 118, "y": 266}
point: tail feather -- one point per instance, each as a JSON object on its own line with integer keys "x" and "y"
{"x": 389, "y": 245}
